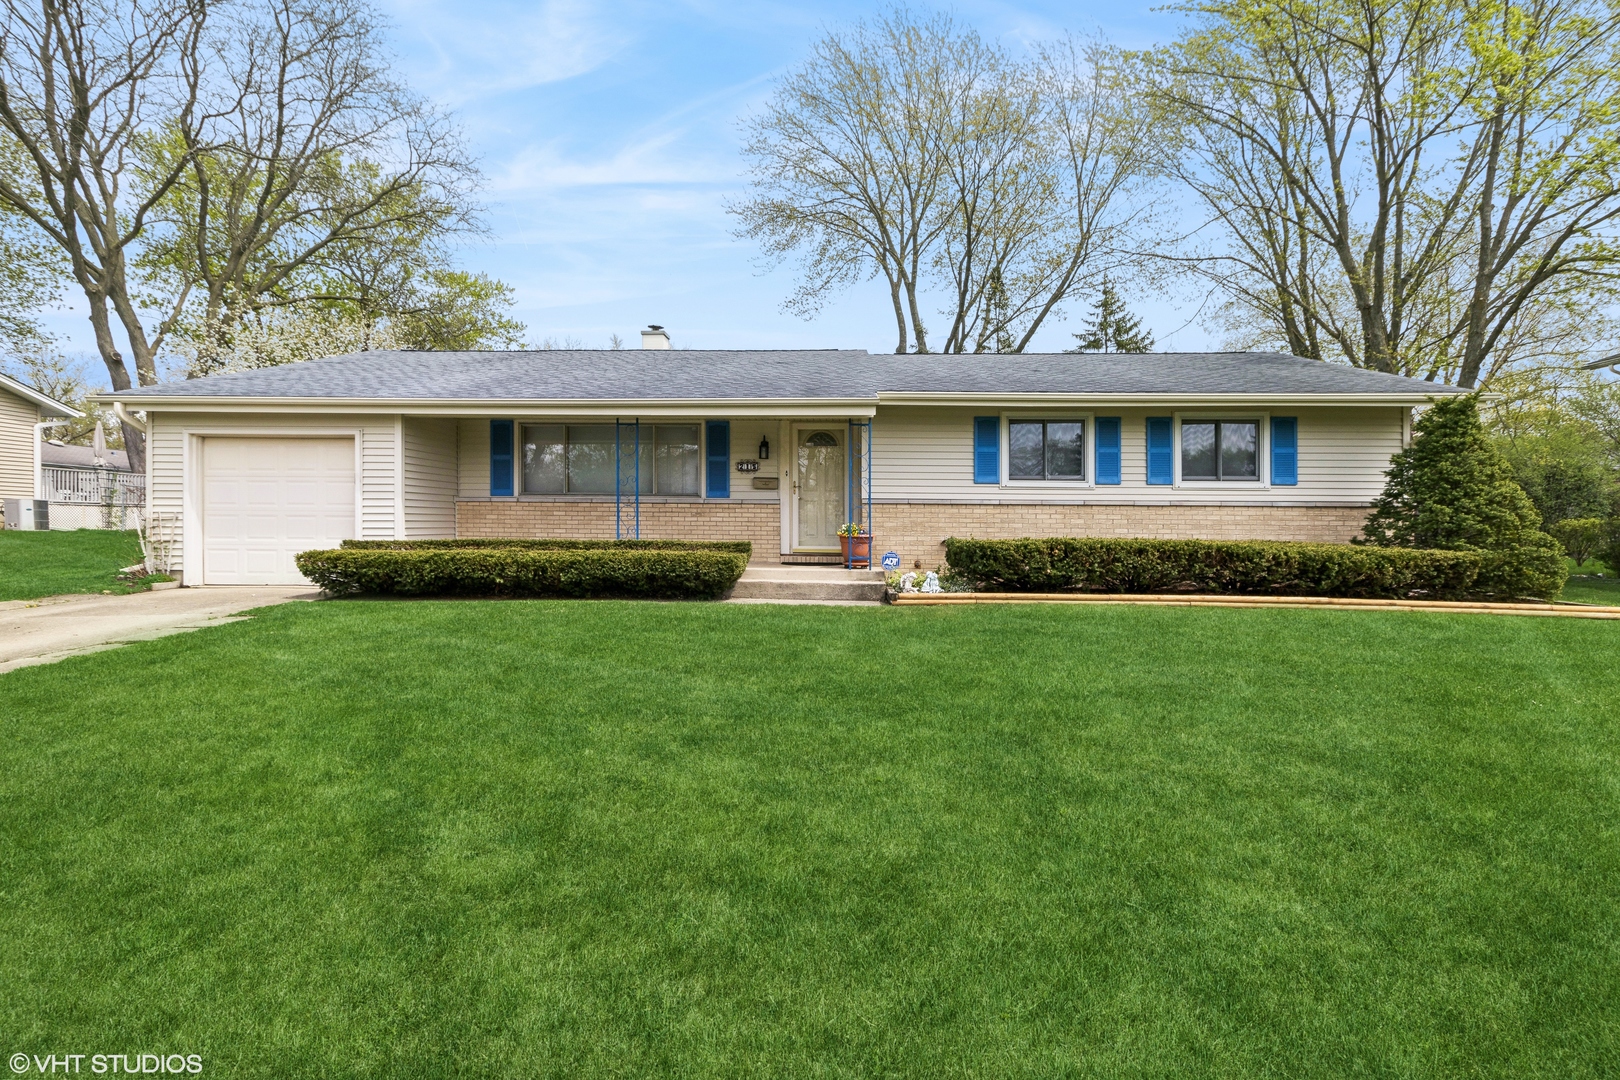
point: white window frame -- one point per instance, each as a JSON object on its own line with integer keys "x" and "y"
{"x": 1090, "y": 451}
{"x": 520, "y": 422}
{"x": 1262, "y": 420}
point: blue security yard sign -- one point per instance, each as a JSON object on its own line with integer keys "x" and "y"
{"x": 891, "y": 560}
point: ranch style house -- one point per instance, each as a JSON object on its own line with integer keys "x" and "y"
{"x": 781, "y": 448}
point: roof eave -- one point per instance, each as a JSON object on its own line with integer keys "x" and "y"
{"x": 1045, "y": 400}
{"x": 44, "y": 401}
{"x": 465, "y": 407}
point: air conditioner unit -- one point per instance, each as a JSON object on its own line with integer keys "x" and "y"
{"x": 28, "y": 514}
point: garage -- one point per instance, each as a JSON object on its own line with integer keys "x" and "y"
{"x": 266, "y": 499}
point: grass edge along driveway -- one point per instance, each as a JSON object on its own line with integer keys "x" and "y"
{"x": 619, "y": 839}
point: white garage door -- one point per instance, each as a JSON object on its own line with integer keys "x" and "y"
{"x": 265, "y": 500}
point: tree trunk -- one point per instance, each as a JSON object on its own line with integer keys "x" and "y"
{"x": 899, "y": 314}
{"x": 118, "y": 375}
{"x": 919, "y": 333}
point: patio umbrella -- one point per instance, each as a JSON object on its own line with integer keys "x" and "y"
{"x": 100, "y": 444}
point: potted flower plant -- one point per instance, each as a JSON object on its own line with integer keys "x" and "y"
{"x": 856, "y": 541}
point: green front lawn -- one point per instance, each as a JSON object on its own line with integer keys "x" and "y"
{"x": 431, "y": 839}
{"x": 34, "y": 564}
{"x": 1591, "y": 583}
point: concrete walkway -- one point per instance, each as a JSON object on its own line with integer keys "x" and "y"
{"x": 53, "y": 627}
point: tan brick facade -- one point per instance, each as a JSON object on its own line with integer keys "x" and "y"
{"x": 758, "y": 522}
{"x": 918, "y": 530}
{"x": 915, "y": 530}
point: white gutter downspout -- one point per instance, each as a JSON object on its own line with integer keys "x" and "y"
{"x": 39, "y": 454}
{"x": 125, "y": 418}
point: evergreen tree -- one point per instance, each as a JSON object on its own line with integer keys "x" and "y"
{"x": 1111, "y": 328}
{"x": 1453, "y": 490}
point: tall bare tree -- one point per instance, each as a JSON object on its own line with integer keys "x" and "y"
{"x": 1412, "y": 185}
{"x": 1049, "y": 192}
{"x": 849, "y": 164}
{"x": 80, "y": 80}
{"x": 316, "y": 155}
{"x": 912, "y": 149}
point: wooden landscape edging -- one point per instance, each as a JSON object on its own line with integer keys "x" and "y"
{"x": 1567, "y": 611}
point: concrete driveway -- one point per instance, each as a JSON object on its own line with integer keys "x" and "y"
{"x": 49, "y": 629}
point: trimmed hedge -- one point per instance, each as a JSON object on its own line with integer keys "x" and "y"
{"x": 1281, "y": 568}
{"x": 741, "y": 547}
{"x": 525, "y": 571}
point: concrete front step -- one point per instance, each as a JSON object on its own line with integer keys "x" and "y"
{"x": 808, "y": 583}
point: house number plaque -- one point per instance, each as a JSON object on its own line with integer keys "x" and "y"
{"x": 748, "y": 465}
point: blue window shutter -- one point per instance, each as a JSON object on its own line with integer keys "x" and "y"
{"x": 1108, "y": 453}
{"x": 1284, "y": 450}
{"x": 500, "y": 457}
{"x": 1161, "y": 466}
{"x": 987, "y": 449}
{"x": 717, "y": 483}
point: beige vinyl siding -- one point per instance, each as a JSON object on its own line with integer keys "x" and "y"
{"x": 379, "y": 481}
{"x": 376, "y": 435}
{"x": 17, "y": 419}
{"x": 472, "y": 470}
{"x": 429, "y": 473}
{"x": 473, "y": 442}
{"x": 924, "y": 453}
{"x": 745, "y": 436}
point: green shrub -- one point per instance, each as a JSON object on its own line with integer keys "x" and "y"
{"x": 742, "y": 547}
{"x": 1453, "y": 490}
{"x": 1581, "y": 537}
{"x": 525, "y": 571}
{"x": 1238, "y": 566}
{"x": 1535, "y": 567}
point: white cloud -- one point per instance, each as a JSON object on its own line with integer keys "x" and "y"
{"x": 498, "y": 48}
{"x": 644, "y": 161}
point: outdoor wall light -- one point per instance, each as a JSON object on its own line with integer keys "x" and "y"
{"x": 764, "y": 448}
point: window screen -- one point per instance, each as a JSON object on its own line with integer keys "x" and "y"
{"x": 1046, "y": 449}
{"x": 578, "y": 459}
{"x": 1220, "y": 450}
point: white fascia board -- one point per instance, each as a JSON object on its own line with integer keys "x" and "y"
{"x": 44, "y": 401}
{"x": 1166, "y": 401}
{"x": 810, "y": 409}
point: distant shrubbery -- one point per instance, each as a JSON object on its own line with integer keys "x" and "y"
{"x": 691, "y": 571}
{"x": 1582, "y": 537}
{"x": 1278, "y": 568}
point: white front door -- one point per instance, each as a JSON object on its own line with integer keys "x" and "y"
{"x": 265, "y": 500}
{"x": 818, "y": 486}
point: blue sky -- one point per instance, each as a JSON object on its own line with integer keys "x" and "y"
{"x": 608, "y": 132}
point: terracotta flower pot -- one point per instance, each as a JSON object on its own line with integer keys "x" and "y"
{"x": 857, "y": 548}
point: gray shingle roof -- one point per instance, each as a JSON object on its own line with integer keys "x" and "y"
{"x": 687, "y": 374}
{"x": 81, "y": 457}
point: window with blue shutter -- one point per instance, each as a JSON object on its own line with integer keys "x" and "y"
{"x": 987, "y": 449}
{"x": 1284, "y": 450}
{"x": 500, "y": 457}
{"x": 1161, "y": 468}
{"x": 1108, "y": 451}
{"x": 717, "y": 475}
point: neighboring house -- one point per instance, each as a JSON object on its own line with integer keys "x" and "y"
{"x": 779, "y": 448}
{"x": 90, "y": 491}
{"x": 56, "y": 454}
{"x": 22, "y": 410}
